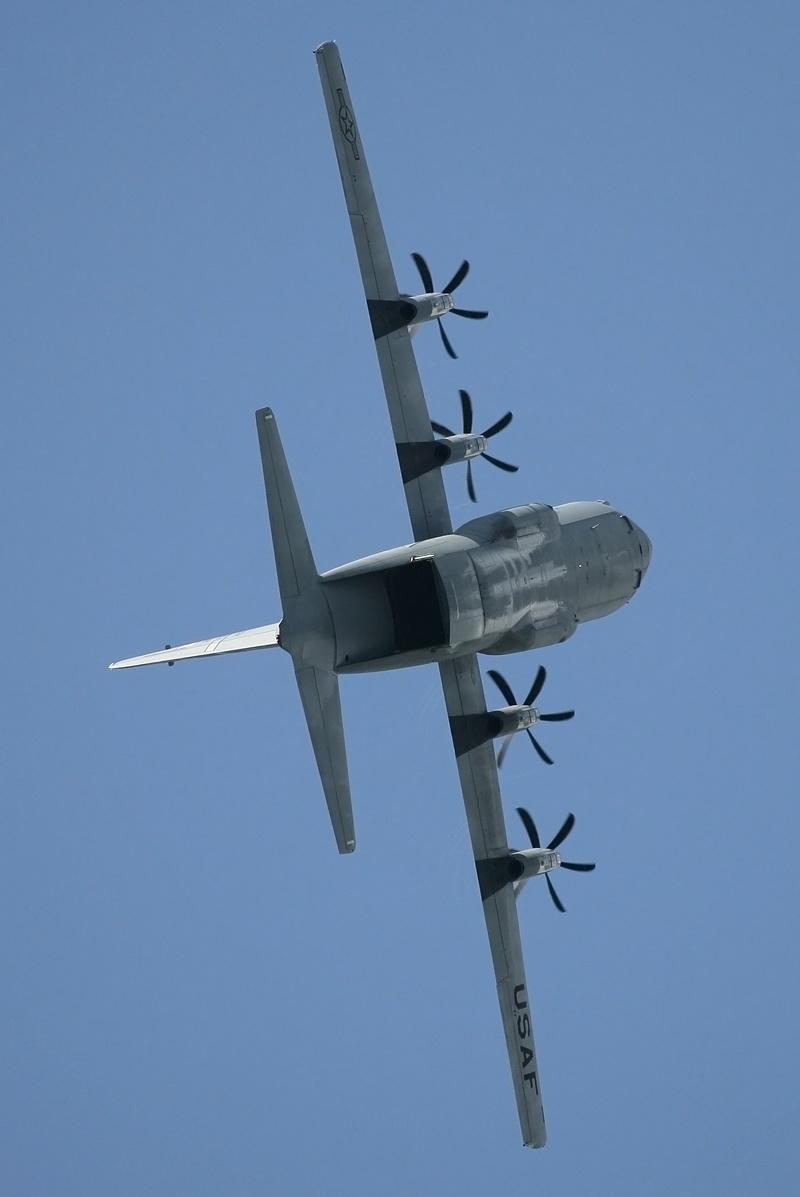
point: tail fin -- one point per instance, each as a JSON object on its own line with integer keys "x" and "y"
{"x": 307, "y": 630}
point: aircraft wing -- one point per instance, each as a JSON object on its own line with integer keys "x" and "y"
{"x": 430, "y": 516}
{"x": 477, "y": 770}
{"x": 408, "y": 411}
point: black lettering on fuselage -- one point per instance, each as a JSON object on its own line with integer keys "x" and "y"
{"x": 523, "y": 1026}
{"x": 521, "y": 1005}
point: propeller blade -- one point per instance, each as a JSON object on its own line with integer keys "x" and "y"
{"x": 445, "y": 339}
{"x": 424, "y": 273}
{"x": 503, "y": 687}
{"x": 470, "y": 483}
{"x": 457, "y": 278}
{"x": 470, "y": 315}
{"x": 466, "y": 412}
{"x": 467, "y": 421}
{"x": 558, "y": 903}
{"x": 560, "y": 836}
{"x": 536, "y": 688}
{"x": 557, "y": 717}
{"x": 533, "y": 836}
{"x": 530, "y": 826}
{"x": 498, "y": 426}
{"x": 548, "y": 760}
{"x": 504, "y": 747}
{"x": 502, "y": 465}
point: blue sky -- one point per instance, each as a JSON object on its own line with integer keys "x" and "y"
{"x": 199, "y": 995}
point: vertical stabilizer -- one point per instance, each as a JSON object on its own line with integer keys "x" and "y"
{"x": 307, "y": 630}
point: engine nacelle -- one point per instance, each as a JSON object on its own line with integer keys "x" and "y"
{"x": 458, "y": 447}
{"x": 421, "y": 308}
{"x": 531, "y": 862}
{"x": 507, "y": 720}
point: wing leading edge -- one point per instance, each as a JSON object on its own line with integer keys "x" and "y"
{"x": 405, "y": 398}
{"x": 477, "y": 770}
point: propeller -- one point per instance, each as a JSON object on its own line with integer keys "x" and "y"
{"x": 532, "y": 695}
{"x": 455, "y": 281}
{"x": 558, "y": 838}
{"x": 492, "y": 430}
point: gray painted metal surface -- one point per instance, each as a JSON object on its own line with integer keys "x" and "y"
{"x": 307, "y": 631}
{"x": 430, "y": 517}
{"x": 235, "y": 642}
{"x": 408, "y": 411}
{"x": 513, "y": 580}
{"x": 477, "y": 771}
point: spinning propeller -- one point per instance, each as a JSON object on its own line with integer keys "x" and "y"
{"x": 492, "y": 430}
{"x": 455, "y": 281}
{"x": 533, "y": 694}
{"x": 558, "y": 838}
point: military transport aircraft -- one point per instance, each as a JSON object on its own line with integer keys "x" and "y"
{"x": 514, "y": 580}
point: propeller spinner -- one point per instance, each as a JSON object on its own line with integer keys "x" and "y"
{"x": 558, "y": 838}
{"x": 492, "y": 430}
{"x": 455, "y": 281}
{"x": 532, "y": 695}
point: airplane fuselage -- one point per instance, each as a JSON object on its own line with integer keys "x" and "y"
{"x": 518, "y": 579}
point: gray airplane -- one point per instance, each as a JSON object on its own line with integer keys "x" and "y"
{"x": 514, "y": 580}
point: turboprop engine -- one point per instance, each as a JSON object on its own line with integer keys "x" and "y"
{"x": 530, "y": 862}
{"x": 418, "y": 309}
{"x": 458, "y": 447}
{"x": 507, "y": 720}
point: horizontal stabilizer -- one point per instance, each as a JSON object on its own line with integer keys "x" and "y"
{"x": 307, "y": 630}
{"x": 319, "y": 693}
{"x": 293, "y": 559}
{"x": 236, "y": 642}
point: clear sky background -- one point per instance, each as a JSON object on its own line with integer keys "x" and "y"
{"x": 199, "y": 995}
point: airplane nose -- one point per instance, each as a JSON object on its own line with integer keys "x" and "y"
{"x": 646, "y": 546}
